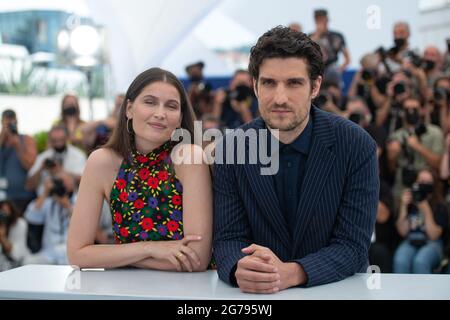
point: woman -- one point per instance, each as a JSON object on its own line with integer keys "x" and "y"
{"x": 13, "y": 236}
{"x": 151, "y": 197}
{"x": 70, "y": 118}
{"x": 422, "y": 221}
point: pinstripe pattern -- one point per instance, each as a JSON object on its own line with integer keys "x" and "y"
{"x": 336, "y": 212}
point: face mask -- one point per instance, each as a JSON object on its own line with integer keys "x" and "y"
{"x": 412, "y": 117}
{"x": 399, "y": 42}
{"x": 70, "y": 111}
{"x": 428, "y": 65}
{"x": 60, "y": 149}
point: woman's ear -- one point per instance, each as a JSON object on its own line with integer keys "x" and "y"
{"x": 129, "y": 110}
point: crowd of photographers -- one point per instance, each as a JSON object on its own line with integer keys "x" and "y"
{"x": 399, "y": 95}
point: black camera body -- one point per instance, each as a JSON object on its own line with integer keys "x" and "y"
{"x": 440, "y": 94}
{"x": 321, "y": 99}
{"x": 58, "y": 188}
{"x": 419, "y": 192}
{"x": 399, "y": 88}
{"x": 241, "y": 93}
{"x": 13, "y": 128}
{"x": 49, "y": 163}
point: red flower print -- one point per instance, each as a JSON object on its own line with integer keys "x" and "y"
{"x": 123, "y": 197}
{"x": 121, "y": 184}
{"x": 172, "y": 226}
{"x": 163, "y": 175}
{"x": 139, "y": 204}
{"x": 144, "y": 173}
{"x": 163, "y": 155}
{"x": 142, "y": 159}
{"x": 123, "y": 232}
{"x": 153, "y": 182}
{"x": 147, "y": 224}
{"x": 176, "y": 200}
{"x": 117, "y": 218}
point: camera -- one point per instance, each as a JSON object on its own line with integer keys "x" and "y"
{"x": 415, "y": 59}
{"x": 421, "y": 191}
{"x": 356, "y": 117}
{"x": 321, "y": 100}
{"x": 367, "y": 75}
{"x": 241, "y": 93}
{"x": 58, "y": 188}
{"x": 399, "y": 88}
{"x": 49, "y": 163}
{"x": 13, "y": 128}
{"x": 4, "y": 218}
{"x": 440, "y": 94}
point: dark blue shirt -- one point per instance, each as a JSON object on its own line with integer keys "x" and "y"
{"x": 288, "y": 180}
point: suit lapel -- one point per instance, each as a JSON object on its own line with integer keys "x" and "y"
{"x": 318, "y": 167}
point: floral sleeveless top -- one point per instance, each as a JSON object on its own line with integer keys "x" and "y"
{"x": 146, "y": 199}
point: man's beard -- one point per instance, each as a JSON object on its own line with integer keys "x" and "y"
{"x": 293, "y": 124}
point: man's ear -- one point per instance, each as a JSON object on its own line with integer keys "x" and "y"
{"x": 255, "y": 86}
{"x": 316, "y": 86}
{"x": 129, "y": 110}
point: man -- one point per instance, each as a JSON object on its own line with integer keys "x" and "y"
{"x": 60, "y": 156}
{"x": 413, "y": 147}
{"x": 52, "y": 209}
{"x": 332, "y": 43}
{"x": 311, "y": 222}
{"x": 17, "y": 155}
{"x": 237, "y": 105}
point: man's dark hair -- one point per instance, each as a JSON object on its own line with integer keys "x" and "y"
{"x": 8, "y": 114}
{"x": 320, "y": 13}
{"x": 282, "y": 42}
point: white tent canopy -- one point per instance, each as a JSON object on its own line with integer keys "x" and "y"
{"x": 173, "y": 33}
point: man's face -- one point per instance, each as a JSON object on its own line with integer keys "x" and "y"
{"x": 432, "y": 54}
{"x": 321, "y": 23}
{"x": 401, "y": 32}
{"x": 284, "y": 92}
{"x": 58, "y": 139}
{"x": 8, "y": 121}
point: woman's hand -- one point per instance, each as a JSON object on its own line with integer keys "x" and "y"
{"x": 406, "y": 197}
{"x": 177, "y": 252}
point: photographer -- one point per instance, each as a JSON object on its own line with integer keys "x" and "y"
{"x": 17, "y": 155}
{"x": 97, "y": 133}
{"x": 70, "y": 118}
{"x": 414, "y": 147}
{"x": 199, "y": 90}
{"x": 237, "y": 105}
{"x": 60, "y": 156}
{"x": 398, "y": 90}
{"x": 13, "y": 236}
{"x": 330, "y": 98}
{"x": 423, "y": 222}
{"x": 369, "y": 84}
{"x": 432, "y": 62}
{"x": 52, "y": 209}
{"x": 439, "y": 104}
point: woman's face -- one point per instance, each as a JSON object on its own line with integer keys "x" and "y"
{"x": 155, "y": 113}
{"x": 425, "y": 177}
{"x": 70, "y": 106}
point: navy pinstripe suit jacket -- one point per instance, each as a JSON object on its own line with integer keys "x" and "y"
{"x": 336, "y": 211}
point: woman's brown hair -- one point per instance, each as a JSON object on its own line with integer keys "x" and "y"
{"x": 122, "y": 139}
